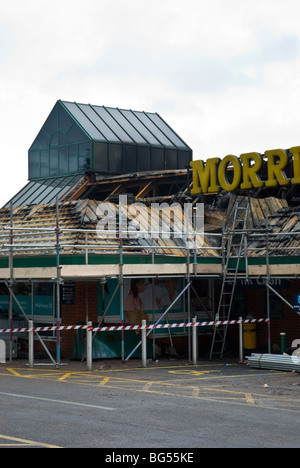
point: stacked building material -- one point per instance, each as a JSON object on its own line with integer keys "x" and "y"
{"x": 274, "y": 362}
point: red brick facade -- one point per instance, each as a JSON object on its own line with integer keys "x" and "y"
{"x": 85, "y": 309}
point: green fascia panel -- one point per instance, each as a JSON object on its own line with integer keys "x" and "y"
{"x": 50, "y": 261}
{"x": 4, "y": 263}
{"x": 284, "y": 260}
{"x": 207, "y": 260}
{"x": 263, "y": 261}
{"x": 30, "y": 262}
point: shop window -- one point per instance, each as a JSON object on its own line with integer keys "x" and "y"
{"x": 84, "y": 162}
{"x": 34, "y": 164}
{"x": 101, "y": 157}
{"x": 276, "y": 306}
{"x": 202, "y": 298}
{"x": 115, "y": 158}
{"x": 73, "y": 158}
{"x": 144, "y": 158}
{"x": 63, "y": 160}
{"x": 44, "y": 163}
{"x": 184, "y": 158}
{"x": 130, "y": 158}
{"x": 54, "y": 140}
{"x": 54, "y": 166}
{"x": 171, "y": 159}
{"x": 158, "y": 159}
{"x": 239, "y": 305}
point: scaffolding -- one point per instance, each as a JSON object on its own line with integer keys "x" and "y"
{"x": 235, "y": 243}
{"x": 13, "y": 248}
{"x": 188, "y": 270}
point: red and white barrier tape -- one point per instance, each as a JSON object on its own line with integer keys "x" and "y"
{"x": 38, "y": 329}
{"x": 131, "y": 327}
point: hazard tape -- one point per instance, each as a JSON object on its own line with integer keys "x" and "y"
{"x": 54, "y": 328}
{"x": 131, "y": 327}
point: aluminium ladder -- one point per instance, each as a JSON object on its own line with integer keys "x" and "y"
{"x": 235, "y": 242}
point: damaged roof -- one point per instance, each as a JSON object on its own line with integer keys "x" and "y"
{"x": 273, "y": 226}
{"x": 281, "y": 232}
{"x": 79, "y": 232}
{"x": 78, "y": 219}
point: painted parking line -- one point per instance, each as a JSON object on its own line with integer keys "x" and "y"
{"x": 191, "y": 372}
{"x": 17, "y": 442}
{"x": 196, "y": 382}
{"x": 64, "y": 402}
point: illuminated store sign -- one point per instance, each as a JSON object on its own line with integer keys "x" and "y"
{"x": 231, "y": 172}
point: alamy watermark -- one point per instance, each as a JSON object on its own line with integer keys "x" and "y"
{"x": 159, "y": 220}
{"x": 296, "y": 352}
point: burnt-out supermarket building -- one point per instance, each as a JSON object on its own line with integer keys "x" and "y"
{"x": 107, "y": 231}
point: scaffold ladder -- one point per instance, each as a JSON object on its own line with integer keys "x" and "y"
{"x": 234, "y": 248}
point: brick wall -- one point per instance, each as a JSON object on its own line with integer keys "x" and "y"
{"x": 255, "y": 305}
{"x": 84, "y": 309}
{"x": 289, "y": 323}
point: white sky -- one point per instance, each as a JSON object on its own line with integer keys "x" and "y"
{"x": 225, "y": 74}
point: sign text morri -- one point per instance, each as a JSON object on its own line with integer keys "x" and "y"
{"x": 231, "y": 172}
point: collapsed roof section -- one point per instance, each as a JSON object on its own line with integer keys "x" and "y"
{"x": 84, "y": 154}
{"x": 80, "y": 231}
{"x": 280, "y": 234}
{"x": 35, "y": 231}
{"x": 155, "y": 185}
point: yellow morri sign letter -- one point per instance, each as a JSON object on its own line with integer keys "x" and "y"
{"x": 231, "y": 172}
